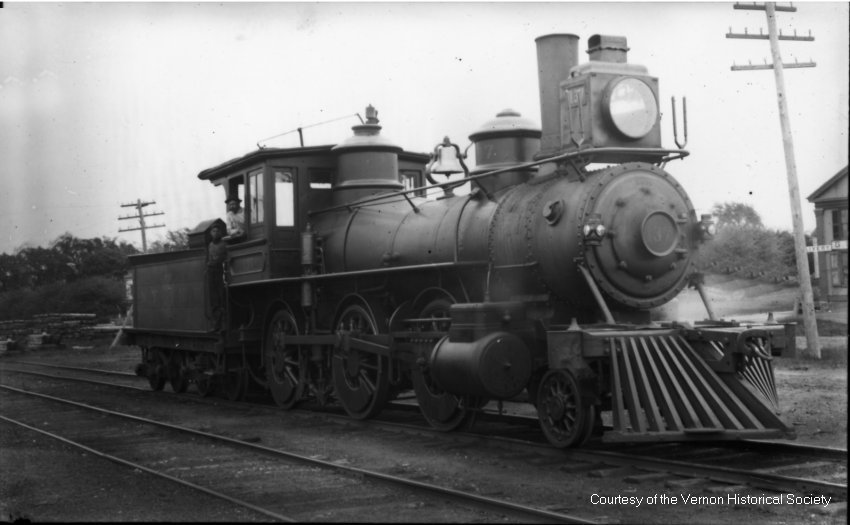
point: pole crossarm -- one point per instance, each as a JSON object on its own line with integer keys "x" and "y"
{"x": 763, "y": 7}
{"x": 762, "y": 36}
{"x": 137, "y": 216}
{"x": 140, "y": 216}
{"x": 795, "y": 65}
{"x": 147, "y": 227}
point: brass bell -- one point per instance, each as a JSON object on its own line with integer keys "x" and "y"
{"x": 446, "y": 160}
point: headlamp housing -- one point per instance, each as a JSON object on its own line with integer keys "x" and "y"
{"x": 629, "y": 104}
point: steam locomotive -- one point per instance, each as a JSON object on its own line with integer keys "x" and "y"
{"x": 363, "y": 277}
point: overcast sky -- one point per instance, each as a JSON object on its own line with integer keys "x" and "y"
{"x": 104, "y": 104}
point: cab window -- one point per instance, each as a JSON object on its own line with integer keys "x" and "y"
{"x": 284, "y": 196}
{"x": 255, "y": 191}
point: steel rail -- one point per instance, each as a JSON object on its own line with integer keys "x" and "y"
{"x": 77, "y": 368}
{"x": 143, "y": 468}
{"x": 793, "y": 448}
{"x": 82, "y": 380}
{"x": 684, "y": 468}
{"x": 522, "y": 512}
{"x": 762, "y": 480}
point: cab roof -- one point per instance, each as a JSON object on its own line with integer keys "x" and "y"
{"x": 263, "y": 154}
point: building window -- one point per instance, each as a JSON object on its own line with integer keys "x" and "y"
{"x": 838, "y": 269}
{"x": 839, "y": 225}
{"x": 284, "y": 196}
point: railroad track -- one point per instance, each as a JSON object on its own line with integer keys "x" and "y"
{"x": 248, "y": 474}
{"x": 775, "y": 467}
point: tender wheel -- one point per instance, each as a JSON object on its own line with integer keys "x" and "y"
{"x": 205, "y": 384}
{"x": 157, "y": 369}
{"x": 177, "y": 375}
{"x": 361, "y": 379}
{"x": 235, "y": 384}
{"x": 283, "y": 362}
{"x": 566, "y": 416}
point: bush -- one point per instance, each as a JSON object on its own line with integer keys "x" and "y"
{"x": 102, "y": 296}
{"x": 750, "y": 253}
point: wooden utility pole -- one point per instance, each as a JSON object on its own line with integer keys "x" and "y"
{"x": 139, "y": 205}
{"x": 807, "y": 296}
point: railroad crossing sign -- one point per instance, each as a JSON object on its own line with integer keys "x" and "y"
{"x": 834, "y": 245}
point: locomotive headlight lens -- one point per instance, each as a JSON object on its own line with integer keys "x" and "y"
{"x": 600, "y": 230}
{"x": 593, "y": 230}
{"x": 631, "y": 107}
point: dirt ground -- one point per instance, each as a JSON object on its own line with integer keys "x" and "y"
{"x": 812, "y": 394}
{"x": 813, "y": 398}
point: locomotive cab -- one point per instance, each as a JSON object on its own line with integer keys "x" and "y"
{"x": 276, "y": 187}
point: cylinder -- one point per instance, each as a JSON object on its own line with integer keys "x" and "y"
{"x": 497, "y": 366}
{"x": 556, "y": 55}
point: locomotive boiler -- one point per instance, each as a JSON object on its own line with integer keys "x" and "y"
{"x": 529, "y": 277}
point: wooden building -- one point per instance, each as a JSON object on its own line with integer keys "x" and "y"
{"x": 830, "y": 201}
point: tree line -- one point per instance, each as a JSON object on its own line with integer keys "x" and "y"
{"x": 71, "y": 275}
{"x": 744, "y": 248}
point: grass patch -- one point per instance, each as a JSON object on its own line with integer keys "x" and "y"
{"x": 826, "y": 327}
{"x": 833, "y": 352}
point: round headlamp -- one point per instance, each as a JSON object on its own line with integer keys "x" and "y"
{"x": 631, "y": 107}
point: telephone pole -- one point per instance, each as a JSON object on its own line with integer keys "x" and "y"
{"x": 807, "y": 299}
{"x": 140, "y": 216}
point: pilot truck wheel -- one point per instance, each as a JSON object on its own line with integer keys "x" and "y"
{"x": 566, "y": 414}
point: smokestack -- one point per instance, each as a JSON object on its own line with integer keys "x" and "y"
{"x": 556, "y": 55}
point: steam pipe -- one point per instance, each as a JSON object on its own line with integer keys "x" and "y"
{"x": 704, "y": 296}
{"x": 597, "y": 295}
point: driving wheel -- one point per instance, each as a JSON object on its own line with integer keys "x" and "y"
{"x": 443, "y": 410}
{"x": 283, "y": 362}
{"x": 361, "y": 378}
